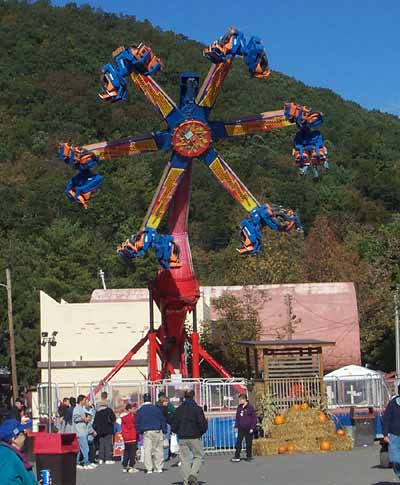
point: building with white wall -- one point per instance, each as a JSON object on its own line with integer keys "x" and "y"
{"x": 93, "y": 337}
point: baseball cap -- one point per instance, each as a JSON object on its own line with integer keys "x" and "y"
{"x": 11, "y": 428}
{"x": 146, "y": 397}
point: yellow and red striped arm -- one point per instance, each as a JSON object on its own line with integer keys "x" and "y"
{"x": 259, "y": 123}
{"x": 165, "y": 191}
{"x": 158, "y": 98}
{"x": 230, "y": 181}
{"x": 213, "y": 83}
{"x": 130, "y": 146}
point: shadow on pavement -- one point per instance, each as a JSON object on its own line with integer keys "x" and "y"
{"x": 382, "y": 483}
{"x": 204, "y": 483}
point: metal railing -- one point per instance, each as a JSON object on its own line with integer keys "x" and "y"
{"x": 357, "y": 391}
{"x": 218, "y": 397}
{"x": 284, "y": 392}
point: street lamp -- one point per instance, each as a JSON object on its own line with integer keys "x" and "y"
{"x": 50, "y": 341}
{"x": 11, "y": 335}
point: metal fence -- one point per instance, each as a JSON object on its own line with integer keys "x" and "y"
{"x": 284, "y": 392}
{"x": 357, "y": 391}
{"x": 218, "y": 397}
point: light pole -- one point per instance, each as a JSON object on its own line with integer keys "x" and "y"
{"x": 11, "y": 335}
{"x": 50, "y": 341}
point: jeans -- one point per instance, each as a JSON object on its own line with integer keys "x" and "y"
{"x": 243, "y": 433}
{"x": 192, "y": 456}
{"x": 129, "y": 455}
{"x": 84, "y": 449}
{"x": 394, "y": 453}
{"x": 105, "y": 447}
{"x": 167, "y": 437}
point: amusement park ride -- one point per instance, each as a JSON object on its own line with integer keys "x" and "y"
{"x": 190, "y": 134}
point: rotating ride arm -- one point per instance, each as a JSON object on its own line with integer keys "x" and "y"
{"x": 275, "y": 217}
{"x": 138, "y": 63}
{"x": 84, "y": 159}
{"x": 250, "y": 125}
{"x": 221, "y": 53}
{"x": 167, "y": 251}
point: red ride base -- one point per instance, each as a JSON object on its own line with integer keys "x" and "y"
{"x": 176, "y": 293}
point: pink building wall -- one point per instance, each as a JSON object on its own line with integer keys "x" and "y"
{"x": 322, "y": 311}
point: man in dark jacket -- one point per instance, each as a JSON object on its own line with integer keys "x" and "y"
{"x": 189, "y": 423}
{"x": 391, "y": 431}
{"x": 103, "y": 424}
{"x": 246, "y": 420}
{"x": 151, "y": 422}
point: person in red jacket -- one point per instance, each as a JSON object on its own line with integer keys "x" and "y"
{"x": 128, "y": 429}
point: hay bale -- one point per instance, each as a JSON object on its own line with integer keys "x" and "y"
{"x": 266, "y": 446}
{"x": 304, "y": 429}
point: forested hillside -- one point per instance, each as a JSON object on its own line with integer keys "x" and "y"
{"x": 50, "y": 60}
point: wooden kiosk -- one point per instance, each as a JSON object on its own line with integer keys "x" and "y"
{"x": 289, "y": 371}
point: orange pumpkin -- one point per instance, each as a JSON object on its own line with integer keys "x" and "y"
{"x": 290, "y": 448}
{"x": 322, "y": 418}
{"x": 305, "y": 405}
{"x": 296, "y": 407}
{"x": 325, "y": 445}
{"x": 340, "y": 432}
{"x": 279, "y": 420}
{"x": 282, "y": 449}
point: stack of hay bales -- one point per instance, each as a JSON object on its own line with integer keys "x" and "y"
{"x": 304, "y": 430}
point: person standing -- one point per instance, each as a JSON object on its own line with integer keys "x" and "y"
{"x": 103, "y": 424}
{"x": 91, "y": 436}
{"x": 15, "y": 412}
{"x": 128, "y": 430}
{"x": 62, "y": 412}
{"x": 80, "y": 421}
{"x": 151, "y": 422}
{"x": 68, "y": 412}
{"x": 391, "y": 431}
{"x": 14, "y": 466}
{"x": 168, "y": 411}
{"x": 246, "y": 420}
{"x": 189, "y": 423}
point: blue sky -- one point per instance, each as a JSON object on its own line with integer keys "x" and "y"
{"x": 349, "y": 46}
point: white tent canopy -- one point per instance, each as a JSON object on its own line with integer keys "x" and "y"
{"x": 353, "y": 373}
{"x": 356, "y": 386}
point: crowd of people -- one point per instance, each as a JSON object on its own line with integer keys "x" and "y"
{"x": 154, "y": 432}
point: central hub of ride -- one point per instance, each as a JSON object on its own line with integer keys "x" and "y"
{"x": 191, "y": 138}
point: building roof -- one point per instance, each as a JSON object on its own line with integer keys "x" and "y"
{"x": 286, "y": 343}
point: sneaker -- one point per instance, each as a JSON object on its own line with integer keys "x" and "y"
{"x": 109, "y": 462}
{"x": 92, "y": 465}
{"x": 149, "y": 472}
{"x": 158, "y": 471}
{"x": 133, "y": 470}
{"x": 179, "y": 463}
{"x": 88, "y": 467}
{"x": 125, "y": 470}
{"x": 101, "y": 462}
{"x": 235, "y": 460}
{"x": 80, "y": 467}
{"x": 192, "y": 480}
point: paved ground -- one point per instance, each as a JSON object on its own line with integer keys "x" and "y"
{"x": 359, "y": 467}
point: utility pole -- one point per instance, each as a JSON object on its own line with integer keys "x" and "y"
{"x": 50, "y": 341}
{"x": 288, "y": 301}
{"x": 397, "y": 331}
{"x": 11, "y": 335}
